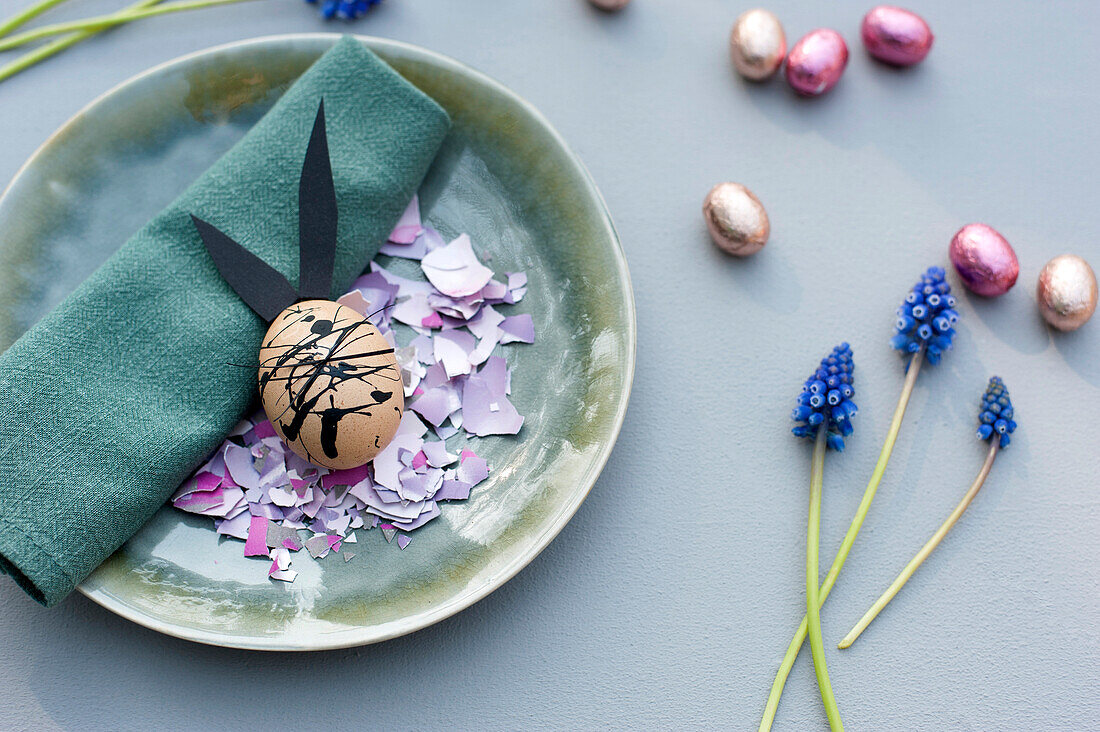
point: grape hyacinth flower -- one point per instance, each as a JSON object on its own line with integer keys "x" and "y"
{"x": 995, "y": 424}
{"x": 997, "y": 413}
{"x": 826, "y": 399}
{"x": 823, "y": 414}
{"x": 344, "y": 9}
{"x": 926, "y": 320}
{"x": 924, "y": 329}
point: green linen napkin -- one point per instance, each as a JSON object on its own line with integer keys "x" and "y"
{"x": 114, "y": 398}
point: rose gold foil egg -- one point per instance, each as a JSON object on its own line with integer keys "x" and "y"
{"x": 736, "y": 219}
{"x": 895, "y": 35}
{"x": 1067, "y": 292}
{"x": 610, "y": 5}
{"x": 758, "y": 44}
{"x": 330, "y": 384}
{"x": 816, "y": 62}
{"x": 984, "y": 259}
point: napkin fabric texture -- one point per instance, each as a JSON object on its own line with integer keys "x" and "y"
{"x": 110, "y": 402}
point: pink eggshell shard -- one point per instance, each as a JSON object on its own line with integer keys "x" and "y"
{"x": 816, "y": 62}
{"x": 896, "y": 36}
{"x": 984, "y": 259}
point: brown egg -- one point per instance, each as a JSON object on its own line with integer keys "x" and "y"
{"x": 330, "y": 384}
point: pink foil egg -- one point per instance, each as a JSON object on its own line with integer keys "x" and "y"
{"x": 895, "y": 35}
{"x": 816, "y": 62}
{"x": 984, "y": 260}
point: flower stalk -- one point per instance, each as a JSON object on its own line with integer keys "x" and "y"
{"x": 27, "y": 15}
{"x": 916, "y": 561}
{"x": 813, "y": 602}
{"x": 102, "y": 22}
{"x": 56, "y": 46}
{"x": 996, "y": 425}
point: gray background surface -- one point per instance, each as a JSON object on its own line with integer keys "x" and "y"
{"x": 670, "y": 598}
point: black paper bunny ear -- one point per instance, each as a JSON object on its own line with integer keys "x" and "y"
{"x": 261, "y": 286}
{"x": 316, "y": 216}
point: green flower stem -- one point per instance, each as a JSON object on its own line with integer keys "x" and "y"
{"x": 27, "y": 15}
{"x": 813, "y": 602}
{"x": 54, "y": 47}
{"x": 925, "y": 550}
{"x": 849, "y": 538}
{"x": 100, "y": 22}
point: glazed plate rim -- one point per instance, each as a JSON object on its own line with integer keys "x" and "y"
{"x": 365, "y": 635}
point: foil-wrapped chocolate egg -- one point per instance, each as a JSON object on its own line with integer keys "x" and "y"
{"x": 984, "y": 259}
{"x": 1067, "y": 292}
{"x": 736, "y": 219}
{"x": 610, "y": 5}
{"x": 816, "y": 62}
{"x": 330, "y": 384}
{"x": 896, "y": 36}
{"x": 758, "y": 44}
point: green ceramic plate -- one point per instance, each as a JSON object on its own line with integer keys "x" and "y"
{"x": 505, "y": 177}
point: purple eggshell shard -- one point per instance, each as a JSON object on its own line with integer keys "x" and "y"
{"x": 413, "y": 311}
{"x": 495, "y": 373}
{"x": 896, "y": 36}
{"x": 256, "y": 544}
{"x": 486, "y": 410}
{"x": 237, "y": 527}
{"x": 455, "y": 270}
{"x": 283, "y": 575}
{"x": 436, "y": 454}
{"x": 356, "y": 302}
{"x": 452, "y": 349}
{"x": 282, "y": 497}
{"x": 408, "y": 226}
{"x": 436, "y": 405}
{"x": 281, "y": 536}
{"x": 453, "y": 490}
{"x": 317, "y": 545}
{"x": 351, "y": 476}
{"x": 430, "y": 511}
{"x": 239, "y": 463}
{"x": 472, "y": 469}
{"x": 518, "y": 329}
{"x": 484, "y": 324}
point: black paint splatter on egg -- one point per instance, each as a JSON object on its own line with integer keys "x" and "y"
{"x": 323, "y": 370}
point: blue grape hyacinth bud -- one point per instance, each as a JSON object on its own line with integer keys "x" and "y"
{"x": 995, "y": 419}
{"x": 826, "y": 399}
{"x": 345, "y": 9}
{"x": 927, "y": 317}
